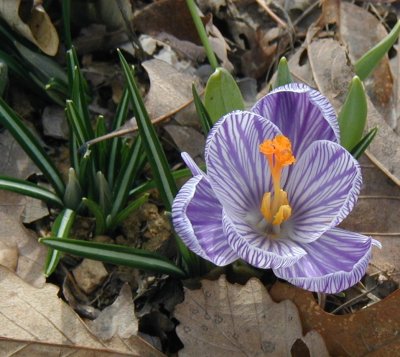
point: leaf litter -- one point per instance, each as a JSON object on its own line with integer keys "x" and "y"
{"x": 323, "y": 62}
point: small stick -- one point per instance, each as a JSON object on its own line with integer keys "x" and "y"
{"x": 275, "y": 17}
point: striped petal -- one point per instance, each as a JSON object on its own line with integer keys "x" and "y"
{"x": 301, "y": 113}
{"x": 238, "y": 172}
{"x": 334, "y": 262}
{"x": 322, "y": 190}
{"x": 192, "y": 165}
{"x": 257, "y": 249}
{"x": 197, "y": 218}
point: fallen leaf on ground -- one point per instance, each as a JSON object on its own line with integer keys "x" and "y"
{"x": 117, "y": 319}
{"x": 170, "y": 90}
{"x": 161, "y": 13}
{"x": 372, "y": 331}
{"x": 37, "y": 27}
{"x": 34, "y": 320}
{"x": 222, "y": 319}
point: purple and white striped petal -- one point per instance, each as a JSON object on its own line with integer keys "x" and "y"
{"x": 322, "y": 190}
{"x": 197, "y": 218}
{"x": 257, "y": 249}
{"x": 334, "y": 262}
{"x": 302, "y": 114}
{"x": 191, "y": 164}
{"x": 239, "y": 174}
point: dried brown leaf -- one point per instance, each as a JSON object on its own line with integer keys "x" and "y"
{"x": 170, "y": 90}
{"x": 372, "y": 331}
{"x": 36, "y": 27}
{"x": 33, "y": 320}
{"x": 222, "y": 319}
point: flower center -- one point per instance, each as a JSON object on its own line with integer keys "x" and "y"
{"x": 275, "y": 205}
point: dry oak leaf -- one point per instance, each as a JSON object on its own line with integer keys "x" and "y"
{"x": 36, "y": 25}
{"x": 373, "y": 331}
{"x": 223, "y": 319}
{"x": 33, "y": 320}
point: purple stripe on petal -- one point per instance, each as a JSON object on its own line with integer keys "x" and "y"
{"x": 258, "y": 250}
{"x": 197, "y": 218}
{"x": 192, "y": 165}
{"x": 238, "y": 172}
{"x": 334, "y": 262}
{"x": 301, "y": 113}
{"x": 322, "y": 189}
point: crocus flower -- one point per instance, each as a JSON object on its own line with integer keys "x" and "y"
{"x": 277, "y": 185}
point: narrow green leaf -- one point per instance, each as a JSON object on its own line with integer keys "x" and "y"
{"x": 202, "y": 33}
{"x": 353, "y": 115}
{"x": 283, "y": 75}
{"x": 104, "y": 193}
{"x": 29, "y": 189}
{"x": 31, "y": 146}
{"x": 116, "y": 254}
{"x": 98, "y": 214}
{"x": 359, "y": 149}
{"x": 57, "y": 86}
{"x": 156, "y": 157}
{"x": 127, "y": 175}
{"x": 120, "y": 118}
{"x": 122, "y": 215}
{"x": 42, "y": 65}
{"x": 102, "y": 146}
{"x": 367, "y": 63}
{"x": 60, "y": 229}
{"x": 152, "y": 146}
{"x": 201, "y": 110}
{"x": 66, "y": 19}
{"x": 76, "y": 123}
{"x": 3, "y": 76}
{"x": 222, "y": 95}
{"x": 73, "y": 191}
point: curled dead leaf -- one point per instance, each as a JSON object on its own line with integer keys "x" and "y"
{"x": 372, "y": 331}
{"x": 34, "y": 24}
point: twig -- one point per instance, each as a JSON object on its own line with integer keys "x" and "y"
{"x": 274, "y": 17}
{"x": 351, "y": 301}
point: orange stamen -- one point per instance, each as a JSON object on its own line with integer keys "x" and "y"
{"x": 275, "y": 208}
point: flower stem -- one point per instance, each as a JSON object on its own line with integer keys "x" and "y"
{"x": 202, "y": 34}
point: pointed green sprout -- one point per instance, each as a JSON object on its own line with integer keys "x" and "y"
{"x": 73, "y": 191}
{"x": 353, "y": 115}
{"x": 283, "y": 75}
{"x": 359, "y": 149}
{"x": 116, "y": 254}
{"x": 60, "y": 229}
{"x": 202, "y": 113}
{"x": 222, "y": 94}
{"x": 366, "y": 64}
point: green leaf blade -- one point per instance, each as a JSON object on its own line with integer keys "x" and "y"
{"x": 31, "y": 146}
{"x": 367, "y": 63}
{"x": 116, "y": 254}
{"x": 60, "y": 229}
{"x": 222, "y": 95}
{"x": 353, "y": 115}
